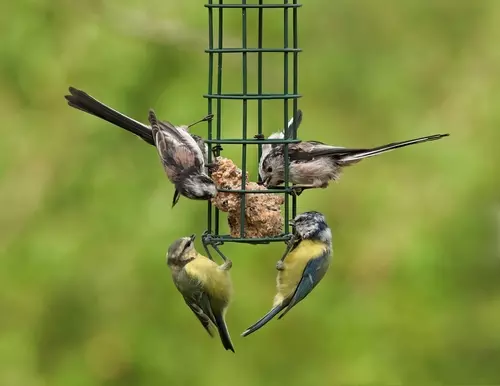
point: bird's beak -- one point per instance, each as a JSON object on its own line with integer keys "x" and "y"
{"x": 266, "y": 181}
{"x": 292, "y": 223}
{"x": 193, "y": 236}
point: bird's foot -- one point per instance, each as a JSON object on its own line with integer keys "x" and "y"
{"x": 280, "y": 265}
{"x": 297, "y": 191}
{"x": 216, "y": 151}
{"x": 211, "y": 167}
{"x": 226, "y": 266}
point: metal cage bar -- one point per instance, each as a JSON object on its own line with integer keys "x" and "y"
{"x": 220, "y": 5}
{"x": 216, "y": 96}
{"x": 259, "y": 51}
{"x": 285, "y": 114}
{"x": 244, "y": 66}
{"x": 210, "y": 104}
{"x": 295, "y": 71}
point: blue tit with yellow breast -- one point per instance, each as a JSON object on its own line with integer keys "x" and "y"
{"x": 303, "y": 265}
{"x": 205, "y": 286}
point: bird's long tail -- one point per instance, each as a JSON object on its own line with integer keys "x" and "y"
{"x": 82, "y": 101}
{"x": 359, "y": 154}
{"x": 223, "y": 332}
{"x": 262, "y": 321}
{"x": 293, "y": 125}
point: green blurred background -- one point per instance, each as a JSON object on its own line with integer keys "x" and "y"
{"x": 413, "y": 295}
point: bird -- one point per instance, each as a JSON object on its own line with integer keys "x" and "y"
{"x": 205, "y": 286}
{"x": 182, "y": 160}
{"x": 313, "y": 164}
{"x": 303, "y": 265}
{"x": 82, "y": 101}
{"x": 292, "y": 127}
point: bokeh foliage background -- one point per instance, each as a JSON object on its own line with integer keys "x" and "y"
{"x": 414, "y": 292}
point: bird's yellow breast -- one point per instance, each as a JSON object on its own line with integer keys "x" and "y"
{"x": 216, "y": 282}
{"x": 294, "y": 265}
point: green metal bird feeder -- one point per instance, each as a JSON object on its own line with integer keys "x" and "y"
{"x": 216, "y": 98}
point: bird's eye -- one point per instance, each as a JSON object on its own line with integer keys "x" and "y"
{"x": 269, "y": 169}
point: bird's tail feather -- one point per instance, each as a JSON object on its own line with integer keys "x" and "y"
{"x": 293, "y": 125}
{"x": 82, "y": 101}
{"x": 262, "y": 321}
{"x": 224, "y": 332}
{"x": 365, "y": 153}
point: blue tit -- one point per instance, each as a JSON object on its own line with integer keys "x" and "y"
{"x": 205, "y": 286}
{"x": 303, "y": 265}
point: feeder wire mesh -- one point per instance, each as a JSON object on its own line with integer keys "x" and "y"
{"x": 215, "y": 96}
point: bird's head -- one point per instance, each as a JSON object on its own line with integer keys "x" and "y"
{"x": 196, "y": 186}
{"x": 312, "y": 225}
{"x": 181, "y": 251}
{"x": 272, "y": 167}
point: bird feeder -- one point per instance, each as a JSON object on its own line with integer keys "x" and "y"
{"x": 216, "y": 98}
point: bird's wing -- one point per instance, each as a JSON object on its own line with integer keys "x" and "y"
{"x": 185, "y": 156}
{"x": 306, "y": 151}
{"x": 198, "y": 305}
{"x": 202, "y": 145}
{"x": 313, "y": 273}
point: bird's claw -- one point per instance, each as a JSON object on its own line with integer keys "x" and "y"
{"x": 211, "y": 167}
{"x": 226, "y": 266}
{"x": 216, "y": 151}
{"x": 297, "y": 191}
{"x": 280, "y": 265}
